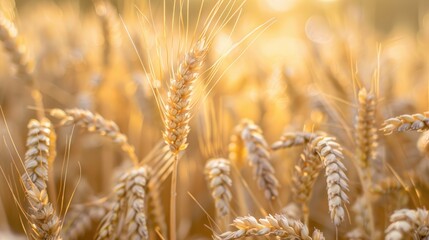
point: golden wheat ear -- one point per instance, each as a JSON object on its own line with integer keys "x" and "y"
{"x": 408, "y": 223}
{"x": 259, "y": 156}
{"x": 217, "y": 172}
{"x": 128, "y": 212}
{"x": 180, "y": 92}
{"x": 415, "y": 122}
{"x": 109, "y": 25}
{"x": 81, "y": 217}
{"x": 18, "y": 55}
{"x": 277, "y": 225}
{"x": 45, "y": 224}
{"x": 319, "y": 152}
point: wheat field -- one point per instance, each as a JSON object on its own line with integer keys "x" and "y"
{"x": 214, "y": 119}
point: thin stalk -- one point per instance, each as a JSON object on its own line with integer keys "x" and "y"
{"x": 173, "y": 194}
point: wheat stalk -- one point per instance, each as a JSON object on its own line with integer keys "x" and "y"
{"x": 217, "y": 172}
{"x": 408, "y": 222}
{"x": 415, "y": 122}
{"x": 96, "y": 123}
{"x": 277, "y": 225}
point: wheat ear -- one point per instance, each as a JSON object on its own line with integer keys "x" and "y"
{"x": 111, "y": 220}
{"x": 330, "y": 152}
{"x": 106, "y": 14}
{"x": 93, "y": 122}
{"x": 292, "y": 139}
{"x": 38, "y": 153}
{"x": 217, "y": 172}
{"x": 366, "y": 151}
{"x": 277, "y": 225}
{"x": 415, "y": 122}
{"x": 407, "y": 222}
{"x": 362, "y": 217}
{"x": 135, "y": 218}
{"x": 180, "y": 92}
{"x": 81, "y": 217}
{"x": 177, "y": 113}
{"x": 366, "y": 132}
{"x": 45, "y": 223}
{"x": 304, "y": 176}
{"x": 129, "y": 206}
{"x": 17, "y": 52}
{"x": 258, "y": 155}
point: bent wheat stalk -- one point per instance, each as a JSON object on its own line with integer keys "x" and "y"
{"x": 93, "y": 122}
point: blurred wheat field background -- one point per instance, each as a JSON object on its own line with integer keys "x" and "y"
{"x": 258, "y": 119}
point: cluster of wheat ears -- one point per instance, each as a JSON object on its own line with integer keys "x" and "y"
{"x": 225, "y": 123}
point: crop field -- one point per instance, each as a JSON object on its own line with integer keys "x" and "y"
{"x": 214, "y": 119}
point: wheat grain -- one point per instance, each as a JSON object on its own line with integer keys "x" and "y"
{"x": 408, "y": 222}
{"x": 277, "y": 225}
{"x": 218, "y": 176}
